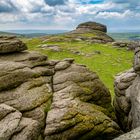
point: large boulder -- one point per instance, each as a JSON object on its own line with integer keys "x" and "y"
{"x": 81, "y": 106}
{"x": 122, "y": 102}
{"x": 11, "y": 44}
{"x": 129, "y": 45}
{"x": 66, "y": 99}
{"x": 127, "y": 96}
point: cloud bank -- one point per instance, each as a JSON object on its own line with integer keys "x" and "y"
{"x": 66, "y": 14}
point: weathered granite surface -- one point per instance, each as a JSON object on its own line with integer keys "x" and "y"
{"x": 127, "y": 100}
{"x": 52, "y": 100}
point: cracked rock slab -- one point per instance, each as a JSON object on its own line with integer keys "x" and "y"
{"x": 14, "y": 127}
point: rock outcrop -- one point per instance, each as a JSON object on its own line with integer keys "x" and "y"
{"x": 89, "y": 26}
{"x": 79, "y": 108}
{"x": 90, "y": 32}
{"x": 11, "y": 44}
{"x": 127, "y": 99}
{"x": 97, "y": 30}
{"x": 51, "y": 100}
{"x": 128, "y": 45}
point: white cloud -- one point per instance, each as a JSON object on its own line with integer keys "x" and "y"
{"x": 28, "y": 5}
{"x": 93, "y": 9}
{"x": 36, "y": 13}
{"x": 7, "y": 17}
{"x": 119, "y": 15}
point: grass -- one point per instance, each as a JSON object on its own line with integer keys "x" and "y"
{"x": 109, "y": 62}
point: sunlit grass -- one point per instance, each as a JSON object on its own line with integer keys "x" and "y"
{"x": 107, "y": 64}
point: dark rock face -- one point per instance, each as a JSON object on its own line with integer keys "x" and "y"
{"x": 52, "y": 100}
{"x": 127, "y": 99}
{"x": 92, "y": 26}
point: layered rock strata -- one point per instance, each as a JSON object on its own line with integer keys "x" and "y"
{"x": 92, "y": 26}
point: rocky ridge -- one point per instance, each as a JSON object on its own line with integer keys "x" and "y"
{"x": 129, "y": 45}
{"x": 51, "y": 100}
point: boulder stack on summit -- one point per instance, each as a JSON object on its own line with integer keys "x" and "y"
{"x": 92, "y": 26}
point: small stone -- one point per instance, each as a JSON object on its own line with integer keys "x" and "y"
{"x": 55, "y": 48}
{"x": 97, "y": 52}
{"x": 70, "y": 60}
{"x": 62, "y": 65}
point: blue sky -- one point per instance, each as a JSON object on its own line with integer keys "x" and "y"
{"x": 118, "y": 15}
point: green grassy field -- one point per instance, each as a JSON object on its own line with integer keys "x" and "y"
{"x": 105, "y": 60}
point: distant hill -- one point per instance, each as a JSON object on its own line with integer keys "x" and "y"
{"x": 31, "y": 33}
{"x": 133, "y": 36}
{"x": 8, "y": 33}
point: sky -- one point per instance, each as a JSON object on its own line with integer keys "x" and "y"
{"x": 118, "y": 15}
